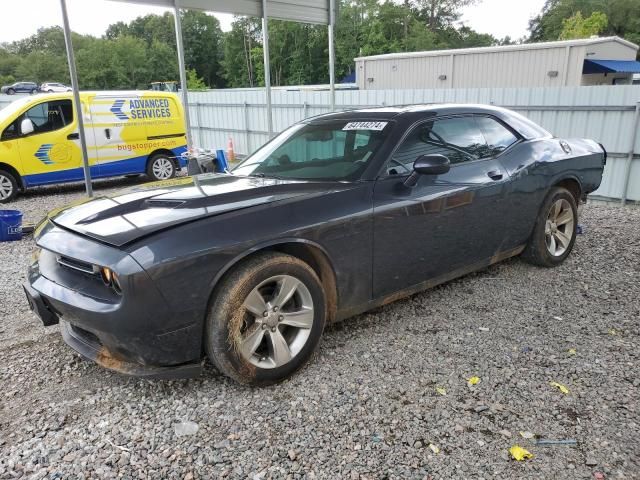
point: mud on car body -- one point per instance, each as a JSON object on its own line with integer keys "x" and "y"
{"x": 336, "y": 215}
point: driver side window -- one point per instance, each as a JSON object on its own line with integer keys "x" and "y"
{"x": 458, "y": 138}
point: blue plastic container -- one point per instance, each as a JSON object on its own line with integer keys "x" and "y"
{"x": 10, "y": 225}
{"x": 221, "y": 162}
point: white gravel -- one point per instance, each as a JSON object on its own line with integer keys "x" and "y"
{"x": 367, "y": 407}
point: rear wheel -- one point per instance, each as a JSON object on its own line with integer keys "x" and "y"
{"x": 266, "y": 319}
{"x": 8, "y": 186}
{"x": 555, "y": 232}
{"x": 161, "y": 167}
{"x": 34, "y": 91}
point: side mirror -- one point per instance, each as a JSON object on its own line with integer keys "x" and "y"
{"x": 26, "y": 127}
{"x": 428, "y": 165}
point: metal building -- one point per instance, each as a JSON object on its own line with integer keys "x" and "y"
{"x": 592, "y": 61}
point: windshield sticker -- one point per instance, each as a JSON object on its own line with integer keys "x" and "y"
{"x": 365, "y": 126}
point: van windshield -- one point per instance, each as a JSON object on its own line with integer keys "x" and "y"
{"x": 337, "y": 150}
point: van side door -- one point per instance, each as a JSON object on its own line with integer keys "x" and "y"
{"x": 52, "y": 152}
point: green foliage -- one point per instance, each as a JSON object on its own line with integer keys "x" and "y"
{"x": 623, "y": 18}
{"x": 194, "y": 82}
{"x": 578, "y": 27}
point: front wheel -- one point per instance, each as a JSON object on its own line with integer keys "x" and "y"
{"x": 11, "y": 91}
{"x": 161, "y": 167}
{"x": 8, "y": 187}
{"x": 555, "y": 231}
{"x": 266, "y": 319}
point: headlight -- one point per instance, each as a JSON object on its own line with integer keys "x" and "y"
{"x": 110, "y": 279}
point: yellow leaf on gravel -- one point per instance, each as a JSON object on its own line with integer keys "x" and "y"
{"x": 441, "y": 390}
{"x": 612, "y": 331}
{"x": 572, "y": 351}
{"x": 473, "y": 380}
{"x": 560, "y": 387}
{"x": 434, "y": 448}
{"x": 519, "y": 453}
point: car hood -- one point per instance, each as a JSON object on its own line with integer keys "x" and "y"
{"x": 133, "y": 213}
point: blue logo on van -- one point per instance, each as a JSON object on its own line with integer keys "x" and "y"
{"x": 116, "y": 109}
{"x": 43, "y": 153}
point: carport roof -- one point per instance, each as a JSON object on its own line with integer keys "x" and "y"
{"x": 611, "y": 66}
{"x": 305, "y": 11}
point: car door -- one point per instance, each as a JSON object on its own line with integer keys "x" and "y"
{"x": 446, "y": 223}
{"x": 51, "y": 153}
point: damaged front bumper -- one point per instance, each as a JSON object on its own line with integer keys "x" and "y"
{"x": 89, "y": 346}
{"x": 131, "y": 331}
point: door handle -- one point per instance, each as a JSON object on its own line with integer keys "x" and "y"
{"x": 495, "y": 175}
{"x": 107, "y": 133}
{"x": 73, "y": 136}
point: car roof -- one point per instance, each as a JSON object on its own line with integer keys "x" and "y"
{"x": 521, "y": 124}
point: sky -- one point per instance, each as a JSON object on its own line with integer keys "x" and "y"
{"x": 23, "y": 18}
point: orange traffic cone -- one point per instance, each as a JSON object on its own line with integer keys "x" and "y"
{"x": 231, "y": 155}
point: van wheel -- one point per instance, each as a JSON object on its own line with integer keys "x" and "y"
{"x": 266, "y": 319}
{"x": 161, "y": 167}
{"x": 8, "y": 187}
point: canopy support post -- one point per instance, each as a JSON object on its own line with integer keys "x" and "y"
{"x": 71, "y": 60}
{"x": 332, "y": 56}
{"x": 267, "y": 67}
{"x": 183, "y": 72}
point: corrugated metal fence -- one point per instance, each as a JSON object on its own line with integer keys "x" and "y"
{"x": 604, "y": 113}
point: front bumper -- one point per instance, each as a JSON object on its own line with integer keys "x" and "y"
{"x": 134, "y": 333}
{"x": 88, "y": 345}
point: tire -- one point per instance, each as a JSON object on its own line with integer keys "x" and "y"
{"x": 11, "y": 91}
{"x": 554, "y": 234}
{"x": 8, "y": 186}
{"x": 161, "y": 167}
{"x": 34, "y": 91}
{"x": 230, "y": 325}
{"x": 49, "y": 91}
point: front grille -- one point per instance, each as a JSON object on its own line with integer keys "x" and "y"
{"x": 79, "y": 265}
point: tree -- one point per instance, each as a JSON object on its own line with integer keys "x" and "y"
{"x": 440, "y": 13}
{"x": 578, "y": 27}
{"x": 623, "y": 18}
{"x": 194, "y": 82}
{"x": 42, "y": 67}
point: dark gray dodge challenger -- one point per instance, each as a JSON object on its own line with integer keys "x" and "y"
{"x": 336, "y": 215}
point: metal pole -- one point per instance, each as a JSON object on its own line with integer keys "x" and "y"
{"x": 71, "y": 60}
{"x": 183, "y": 72}
{"x": 246, "y": 128}
{"x": 267, "y": 67}
{"x": 199, "y": 119}
{"x": 332, "y": 56}
{"x": 634, "y": 135}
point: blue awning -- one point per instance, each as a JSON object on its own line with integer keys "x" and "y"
{"x": 611, "y": 66}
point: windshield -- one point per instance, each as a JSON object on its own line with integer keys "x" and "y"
{"x": 10, "y": 111}
{"x": 338, "y": 150}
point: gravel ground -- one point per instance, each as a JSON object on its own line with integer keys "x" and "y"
{"x": 367, "y": 407}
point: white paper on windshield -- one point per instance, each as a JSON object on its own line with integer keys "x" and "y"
{"x": 365, "y": 126}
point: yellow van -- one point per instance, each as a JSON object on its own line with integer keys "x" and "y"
{"x": 127, "y": 133}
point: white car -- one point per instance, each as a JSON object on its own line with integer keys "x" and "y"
{"x": 54, "y": 87}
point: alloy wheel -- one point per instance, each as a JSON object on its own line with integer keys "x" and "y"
{"x": 559, "y": 227}
{"x": 163, "y": 168}
{"x": 6, "y": 187}
{"x": 277, "y": 323}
